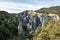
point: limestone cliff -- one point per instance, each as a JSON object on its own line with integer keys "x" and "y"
{"x": 30, "y": 20}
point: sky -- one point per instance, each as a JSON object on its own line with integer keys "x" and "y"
{"x": 16, "y": 6}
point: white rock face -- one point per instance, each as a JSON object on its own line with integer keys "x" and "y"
{"x": 29, "y": 27}
{"x": 32, "y": 20}
{"x": 54, "y": 17}
{"x": 20, "y": 29}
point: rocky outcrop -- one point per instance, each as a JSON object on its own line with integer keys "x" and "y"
{"x": 54, "y": 17}
{"x": 31, "y": 20}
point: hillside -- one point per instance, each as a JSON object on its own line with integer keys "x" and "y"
{"x": 8, "y": 25}
{"x": 50, "y": 31}
{"x": 55, "y": 9}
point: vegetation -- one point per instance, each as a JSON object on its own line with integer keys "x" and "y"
{"x": 50, "y": 31}
{"x": 55, "y": 10}
{"x": 8, "y": 25}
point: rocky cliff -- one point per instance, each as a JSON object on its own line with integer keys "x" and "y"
{"x": 30, "y": 20}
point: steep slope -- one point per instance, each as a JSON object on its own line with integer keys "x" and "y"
{"x": 29, "y": 21}
{"x": 50, "y": 31}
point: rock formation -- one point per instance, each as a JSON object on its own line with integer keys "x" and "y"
{"x": 31, "y": 20}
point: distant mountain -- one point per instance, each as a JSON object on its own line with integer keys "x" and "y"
{"x": 4, "y": 12}
{"x": 54, "y": 9}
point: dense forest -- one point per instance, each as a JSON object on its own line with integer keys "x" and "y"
{"x": 8, "y": 25}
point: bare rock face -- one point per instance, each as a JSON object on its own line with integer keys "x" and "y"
{"x": 30, "y": 20}
{"x": 54, "y": 17}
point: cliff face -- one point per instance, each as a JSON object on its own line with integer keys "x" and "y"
{"x": 30, "y": 20}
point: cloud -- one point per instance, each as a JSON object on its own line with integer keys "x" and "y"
{"x": 13, "y": 7}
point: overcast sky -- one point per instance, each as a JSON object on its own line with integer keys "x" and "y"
{"x": 15, "y": 6}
